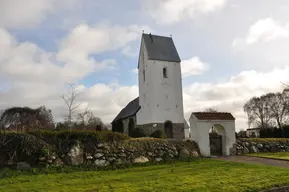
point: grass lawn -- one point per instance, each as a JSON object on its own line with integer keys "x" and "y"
{"x": 203, "y": 175}
{"x": 279, "y": 155}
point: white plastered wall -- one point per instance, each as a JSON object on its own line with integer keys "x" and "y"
{"x": 160, "y": 98}
{"x": 200, "y": 133}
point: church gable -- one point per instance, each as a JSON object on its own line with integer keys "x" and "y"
{"x": 160, "y": 48}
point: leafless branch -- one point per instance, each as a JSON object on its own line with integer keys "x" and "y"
{"x": 70, "y": 101}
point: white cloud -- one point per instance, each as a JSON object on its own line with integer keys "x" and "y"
{"x": 31, "y": 76}
{"x": 130, "y": 51}
{"x": 193, "y": 66}
{"x": 264, "y": 30}
{"x": 172, "y": 11}
{"x": 84, "y": 40}
{"x": 28, "y": 13}
{"x": 230, "y": 96}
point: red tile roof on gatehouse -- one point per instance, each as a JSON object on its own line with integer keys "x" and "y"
{"x": 213, "y": 116}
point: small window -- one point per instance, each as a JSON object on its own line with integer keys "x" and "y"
{"x": 144, "y": 75}
{"x": 165, "y": 75}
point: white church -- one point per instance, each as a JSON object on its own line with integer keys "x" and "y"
{"x": 160, "y": 102}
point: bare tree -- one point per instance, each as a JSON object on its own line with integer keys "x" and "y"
{"x": 87, "y": 121}
{"x": 26, "y": 119}
{"x": 257, "y": 109}
{"x": 70, "y": 101}
{"x": 278, "y": 104}
{"x": 211, "y": 110}
{"x": 84, "y": 117}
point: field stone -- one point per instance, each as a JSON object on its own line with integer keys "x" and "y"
{"x": 98, "y": 155}
{"x": 141, "y": 159}
{"x": 245, "y": 150}
{"x": 274, "y": 149}
{"x": 23, "y": 166}
{"x": 111, "y": 159}
{"x": 100, "y": 145}
{"x": 122, "y": 155}
{"x": 253, "y": 149}
{"x": 184, "y": 154}
{"x": 75, "y": 155}
{"x": 158, "y": 159}
{"x": 89, "y": 157}
{"x": 150, "y": 154}
{"x": 195, "y": 154}
{"x": 259, "y": 146}
{"x": 42, "y": 159}
{"x": 57, "y": 162}
{"x": 101, "y": 163}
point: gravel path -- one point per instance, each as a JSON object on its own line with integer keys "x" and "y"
{"x": 256, "y": 160}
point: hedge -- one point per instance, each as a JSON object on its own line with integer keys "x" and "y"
{"x": 137, "y": 132}
{"x": 83, "y": 136}
{"x": 275, "y": 132}
{"x": 268, "y": 140}
{"x": 158, "y": 134}
{"x": 30, "y": 146}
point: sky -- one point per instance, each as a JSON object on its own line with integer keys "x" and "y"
{"x": 231, "y": 50}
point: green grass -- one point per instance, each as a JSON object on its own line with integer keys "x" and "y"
{"x": 203, "y": 175}
{"x": 278, "y": 155}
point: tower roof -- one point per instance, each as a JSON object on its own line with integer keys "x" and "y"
{"x": 160, "y": 48}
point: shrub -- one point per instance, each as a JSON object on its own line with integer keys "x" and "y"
{"x": 63, "y": 140}
{"x": 158, "y": 134}
{"x": 16, "y": 147}
{"x": 83, "y": 136}
{"x": 137, "y": 132}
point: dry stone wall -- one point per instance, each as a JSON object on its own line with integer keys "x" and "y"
{"x": 99, "y": 149}
{"x": 131, "y": 151}
{"x": 245, "y": 146}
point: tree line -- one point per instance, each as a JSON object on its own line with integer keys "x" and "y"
{"x": 22, "y": 119}
{"x": 269, "y": 111}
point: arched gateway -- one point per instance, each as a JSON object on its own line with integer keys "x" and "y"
{"x": 214, "y": 132}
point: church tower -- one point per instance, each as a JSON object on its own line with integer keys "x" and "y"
{"x": 160, "y": 87}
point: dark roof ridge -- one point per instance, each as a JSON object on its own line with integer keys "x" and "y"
{"x": 157, "y": 35}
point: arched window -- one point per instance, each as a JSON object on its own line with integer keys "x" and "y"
{"x": 165, "y": 75}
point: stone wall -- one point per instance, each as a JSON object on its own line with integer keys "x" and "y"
{"x": 89, "y": 151}
{"x": 141, "y": 151}
{"x": 245, "y": 146}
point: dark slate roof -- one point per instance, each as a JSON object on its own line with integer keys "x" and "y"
{"x": 214, "y": 116}
{"x": 160, "y": 48}
{"x": 130, "y": 110}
